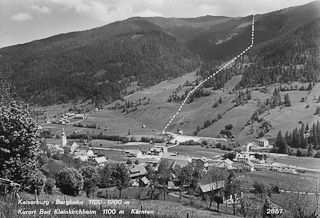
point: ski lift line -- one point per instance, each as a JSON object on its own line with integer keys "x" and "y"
{"x": 200, "y": 84}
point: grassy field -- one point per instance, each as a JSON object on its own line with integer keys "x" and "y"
{"x": 161, "y": 209}
{"x": 197, "y": 151}
{"x": 285, "y": 181}
{"x": 306, "y": 162}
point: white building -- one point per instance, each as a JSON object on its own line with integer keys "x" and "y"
{"x": 262, "y": 142}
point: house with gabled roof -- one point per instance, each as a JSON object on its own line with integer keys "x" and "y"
{"x": 70, "y": 147}
{"x": 182, "y": 161}
{"x": 84, "y": 154}
{"x": 137, "y": 170}
{"x": 100, "y": 161}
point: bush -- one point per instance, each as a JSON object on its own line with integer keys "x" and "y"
{"x": 129, "y": 161}
{"x": 34, "y": 181}
{"x": 124, "y": 140}
{"x": 228, "y": 127}
{"x": 300, "y": 153}
{"x": 317, "y": 155}
{"x": 69, "y": 181}
{"x": 49, "y": 185}
{"x": 57, "y": 156}
{"x": 218, "y": 145}
{"x": 204, "y": 142}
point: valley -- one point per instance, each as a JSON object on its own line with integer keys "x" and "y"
{"x": 143, "y": 110}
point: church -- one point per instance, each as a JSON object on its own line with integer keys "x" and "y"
{"x": 68, "y": 146}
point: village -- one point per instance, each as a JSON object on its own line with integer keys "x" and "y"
{"x": 252, "y": 158}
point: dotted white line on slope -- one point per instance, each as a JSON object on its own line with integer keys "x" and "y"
{"x": 200, "y": 84}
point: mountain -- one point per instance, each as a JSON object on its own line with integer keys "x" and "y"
{"x": 100, "y": 64}
{"x": 96, "y": 64}
{"x": 235, "y": 37}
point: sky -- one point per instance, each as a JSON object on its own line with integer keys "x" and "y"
{"x": 23, "y": 21}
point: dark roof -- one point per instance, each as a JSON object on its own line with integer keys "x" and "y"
{"x": 70, "y": 143}
{"x": 137, "y": 170}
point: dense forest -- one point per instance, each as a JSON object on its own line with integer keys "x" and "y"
{"x": 293, "y": 57}
{"x": 98, "y": 70}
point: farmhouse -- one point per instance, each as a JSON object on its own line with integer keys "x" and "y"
{"x": 200, "y": 163}
{"x": 70, "y": 147}
{"x": 100, "y": 161}
{"x": 84, "y": 154}
{"x": 250, "y": 165}
{"x": 211, "y": 186}
{"x": 227, "y": 163}
{"x": 137, "y": 171}
{"x": 158, "y": 150}
{"x": 182, "y": 161}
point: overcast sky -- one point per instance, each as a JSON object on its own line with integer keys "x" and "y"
{"x": 27, "y": 20}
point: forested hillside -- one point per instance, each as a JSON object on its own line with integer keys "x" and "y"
{"x": 97, "y": 64}
{"x": 293, "y": 57}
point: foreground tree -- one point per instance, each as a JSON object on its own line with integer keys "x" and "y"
{"x": 120, "y": 177}
{"x": 303, "y": 200}
{"x": 19, "y": 143}
{"x": 216, "y": 178}
{"x": 90, "y": 179}
{"x": 70, "y": 181}
{"x": 259, "y": 188}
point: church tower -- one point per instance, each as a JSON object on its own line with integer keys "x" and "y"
{"x": 63, "y": 138}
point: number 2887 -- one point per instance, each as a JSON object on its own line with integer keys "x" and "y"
{"x": 275, "y": 211}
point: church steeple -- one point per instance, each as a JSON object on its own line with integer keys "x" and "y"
{"x": 63, "y": 138}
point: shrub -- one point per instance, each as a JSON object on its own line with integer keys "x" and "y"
{"x": 218, "y": 145}
{"x": 136, "y": 161}
{"x": 129, "y": 161}
{"x": 49, "y": 185}
{"x": 69, "y": 181}
{"x": 34, "y": 181}
{"x": 204, "y": 142}
{"x": 207, "y": 123}
{"x": 124, "y": 140}
{"x": 317, "y": 155}
{"x": 57, "y": 156}
{"x": 228, "y": 127}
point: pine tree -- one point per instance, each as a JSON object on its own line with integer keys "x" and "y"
{"x": 281, "y": 144}
{"x": 314, "y": 135}
{"x": 310, "y": 150}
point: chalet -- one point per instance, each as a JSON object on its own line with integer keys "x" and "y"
{"x": 137, "y": 171}
{"x": 211, "y": 186}
{"x": 250, "y": 165}
{"x": 181, "y": 161}
{"x": 227, "y": 163}
{"x": 200, "y": 163}
{"x": 100, "y": 161}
